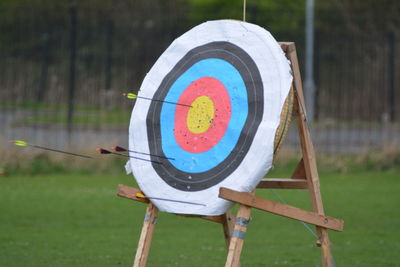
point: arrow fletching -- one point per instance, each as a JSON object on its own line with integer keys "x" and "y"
{"x": 19, "y": 142}
{"x": 119, "y": 149}
{"x": 140, "y": 195}
{"x": 130, "y": 95}
{"x": 103, "y": 151}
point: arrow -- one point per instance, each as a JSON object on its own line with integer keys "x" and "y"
{"x": 134, "y": 96}
{"x": 104, "y": 151}
{"x": 141, "y": 195}
{"x": 25, "y": 144}
{"x": 121, "y": 149}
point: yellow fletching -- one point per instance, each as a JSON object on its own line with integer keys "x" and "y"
{"x": 131, "y": 95}
{"x": 20, "y": 143}
{"x": 140, "y": 195}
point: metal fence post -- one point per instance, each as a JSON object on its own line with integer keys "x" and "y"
{"x": 317, "y": 57}
{"x": 108, "y": 61}
{"x": 309, "y": 84}
{"x": 392, "y": 75}
{"x": 72, "y": 69}
{"x": 42, "y": 86}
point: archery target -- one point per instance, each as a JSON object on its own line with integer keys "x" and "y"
{"x": 217, "y": 92}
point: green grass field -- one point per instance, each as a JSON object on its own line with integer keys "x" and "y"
{"x": 77, "y": 220}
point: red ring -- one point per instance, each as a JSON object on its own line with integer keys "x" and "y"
{"x": 216, "y": 91}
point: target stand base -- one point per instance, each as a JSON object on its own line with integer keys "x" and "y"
{"x": 304, "y": 177}
{"x": 226, "y": 220}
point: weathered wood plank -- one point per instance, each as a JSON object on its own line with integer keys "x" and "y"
{"x": 146, "y": 236}
{"x": 310, "y": 164}
{"x": 300, "y": 172}
{"x": 281, "y": 209}
{"x": 130, "y": 192}
{"x": 283, "y": 183}
{"x": 237, "y": 237}
{"x": 228, "y": 224}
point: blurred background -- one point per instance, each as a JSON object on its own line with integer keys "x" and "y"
{"x": 64, "y": 65}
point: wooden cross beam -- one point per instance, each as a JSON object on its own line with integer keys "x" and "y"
{"x": 281, "y": 209}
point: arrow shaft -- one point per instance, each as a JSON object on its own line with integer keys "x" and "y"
{"x": 148, "y": 160}
{"x": 164, "y": 101}
{"x": 142, "y": 153}
{"x": 60, "y": 151}
{"x": 173, "y": 200}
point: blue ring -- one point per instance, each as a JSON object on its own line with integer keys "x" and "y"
{"x": 230, "y": 77}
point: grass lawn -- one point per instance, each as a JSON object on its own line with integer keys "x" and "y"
{"x": 76, "y": 220}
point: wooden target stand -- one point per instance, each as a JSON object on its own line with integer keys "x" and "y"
{"x": 305, "y": 176}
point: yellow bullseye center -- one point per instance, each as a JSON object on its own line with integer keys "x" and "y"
{"x": 200, "y": 115}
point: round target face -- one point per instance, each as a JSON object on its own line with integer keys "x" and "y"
{"x": 211, "y": 133}
{"x": 216, "y": 96}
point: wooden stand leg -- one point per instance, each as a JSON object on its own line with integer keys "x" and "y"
{"x": 228, "y": 224}
{"x": 237, "y": 238}
{"x": 310, "y": 164}
{"x": 146, "y": 236}
{"x": 325, "y": 247}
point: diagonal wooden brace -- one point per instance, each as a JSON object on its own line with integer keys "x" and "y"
{"x": 281, "y": 209}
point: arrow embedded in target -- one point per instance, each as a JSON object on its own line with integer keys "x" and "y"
{"x": 141, "y": 195}
{"x": 134, "y": 96}
{"x": 25, "y": 144}
{"x": 121, "y": 149}
{"x": 105, "y": 151}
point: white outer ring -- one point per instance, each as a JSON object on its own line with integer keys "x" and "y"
{"x": 276, "y": 77}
